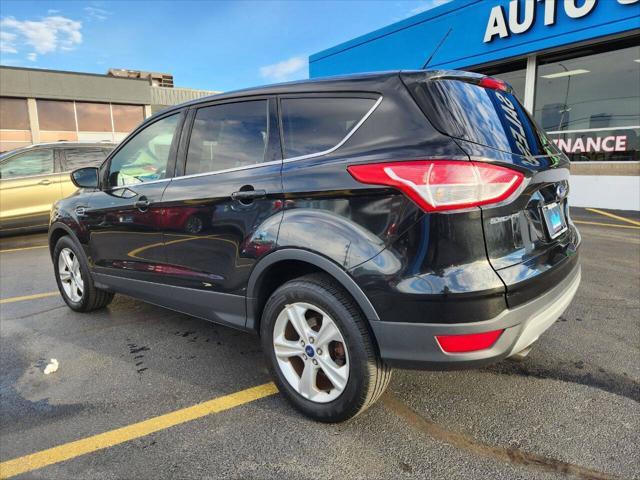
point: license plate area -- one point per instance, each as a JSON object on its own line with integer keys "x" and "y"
{"x": 554, "y": 219}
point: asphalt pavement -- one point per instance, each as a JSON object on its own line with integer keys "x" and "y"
{"x": 127, "y": 399}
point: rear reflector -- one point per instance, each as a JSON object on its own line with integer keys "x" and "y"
{"x": 468, "y": 343}
{"x": 437, "y": 185}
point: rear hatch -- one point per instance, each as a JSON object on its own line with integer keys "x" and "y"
{"x": 530, "y": 240}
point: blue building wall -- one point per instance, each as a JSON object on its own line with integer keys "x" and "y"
{"x": 408, "y": 44}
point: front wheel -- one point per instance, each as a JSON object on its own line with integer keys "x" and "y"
{"x": 74, "y": 278}
{"x": 320, "y": 349}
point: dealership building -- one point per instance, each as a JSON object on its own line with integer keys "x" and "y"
{"x": 48, "y": 106}
{"x": 575, "y": 64}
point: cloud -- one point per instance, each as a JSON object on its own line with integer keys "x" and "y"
{"x": 7, "y": 42}
{"x": 427, "y": 5}
{"x": 95, "y": 13}
{"x": 48, "y": 35}
{"x": 293, "y": 68}
{"x": 32, "y": 57}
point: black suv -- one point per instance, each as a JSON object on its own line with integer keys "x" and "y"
{"x": 410, "y": 219}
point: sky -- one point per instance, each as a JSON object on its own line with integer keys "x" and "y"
{"x": 210, "y": 45}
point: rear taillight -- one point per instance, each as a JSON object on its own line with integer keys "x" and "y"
{"x": 493, "y": 84}
{"x": 437, "y": 185}
{"x": 468, "y": 343}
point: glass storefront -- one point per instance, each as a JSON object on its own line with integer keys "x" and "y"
{"x": 589, "y": 102}
{"x": 587, "y": 99}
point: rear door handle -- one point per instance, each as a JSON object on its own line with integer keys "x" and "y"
{"x": 44, "y": 182}
{"x": 246, "y": 196}
{"x": 142, "y": 203}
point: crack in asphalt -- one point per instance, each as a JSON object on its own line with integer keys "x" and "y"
{"x": 510, "y": 455}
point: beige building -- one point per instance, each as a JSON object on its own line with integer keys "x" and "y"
{"x": 49, "y": 106}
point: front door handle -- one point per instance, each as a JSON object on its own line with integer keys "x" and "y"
{"x": 248, "y": 196}
{"x": 142, "y": 204}
{"x": 46, "y": 181}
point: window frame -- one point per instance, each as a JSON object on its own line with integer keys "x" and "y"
{"x": 273, "y": 147}
{"x": 54, "y": 161}
{"x": 105, "y": 168}
{"x": 378, "y": 97}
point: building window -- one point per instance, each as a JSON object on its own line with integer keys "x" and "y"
{"x": 55, "y": 115}
{"x": 589, "y": 102}
{"x": 514, "y": 74}
{"x": 93, "y": 117}
{"x": 14, "y": 114}
{"x": 127, "y": 117}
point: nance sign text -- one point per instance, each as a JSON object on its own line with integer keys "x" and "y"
{"x": 521, "y": 14}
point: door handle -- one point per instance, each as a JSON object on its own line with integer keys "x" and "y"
{"x": 142, "y": 204}
{"x": 248, "y": 196}
{"x": 44, "y": 182}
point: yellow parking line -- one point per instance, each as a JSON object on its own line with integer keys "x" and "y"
{"x": 28, "y": 297}
{"x": 611, "y": 215}
{"x": 108, "y": 439}
{"x": 605, "y": 224}
{"x": 22, "y": 248}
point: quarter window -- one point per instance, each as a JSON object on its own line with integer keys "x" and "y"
{"x": 228, "y": 136}
{"x": 314, "y": 125}
{"x": 36, "y": 162}
{"x": 145, "y": 157}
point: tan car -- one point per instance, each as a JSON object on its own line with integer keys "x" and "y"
{"x": 33, "y": 178}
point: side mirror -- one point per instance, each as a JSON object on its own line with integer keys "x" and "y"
{"x": 85, "y": 177}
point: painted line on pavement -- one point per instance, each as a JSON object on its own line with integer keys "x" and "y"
{"x": 600, "y": 224}
{"x": 611, "y": 215}
{"x": 8, "y": 250}
{"x": 28, "y": 297}
{"x": 111, "y": 438}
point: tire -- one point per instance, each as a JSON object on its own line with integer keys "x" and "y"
{"x": 91, "y": 298}
{"x": 314, "y": 298}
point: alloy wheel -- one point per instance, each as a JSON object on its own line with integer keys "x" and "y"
{"x": 311, "y": 352}
{"x": 70, "y": 276}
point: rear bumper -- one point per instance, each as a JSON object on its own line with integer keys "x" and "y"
{"x": 413, "y": 345}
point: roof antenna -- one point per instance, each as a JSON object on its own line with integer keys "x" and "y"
{"x": 437, "y": 48}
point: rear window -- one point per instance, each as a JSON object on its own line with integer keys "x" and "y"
{"x": 83, "y": 157}
{"x": 314, "y": 125}
{"x": 481, "y": 115}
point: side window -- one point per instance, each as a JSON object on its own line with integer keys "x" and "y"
{"x": 144, "y": 158}
{"x": 228, "y": 136}
{"x": 36, "y": 162}
{"x": 82, "y": 157}
{"x": 313, "y": 125}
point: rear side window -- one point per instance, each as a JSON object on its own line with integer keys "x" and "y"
{"x": 314, "y": 125}
{"x": 228, "y": 136}
{"x": 83, "y": 157}
{"x": 481, "y": 115}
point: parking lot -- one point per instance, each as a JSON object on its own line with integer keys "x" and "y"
{"x": 127, "y": 398}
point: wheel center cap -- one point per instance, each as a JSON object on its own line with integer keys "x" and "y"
{"x": 309, "y": 351}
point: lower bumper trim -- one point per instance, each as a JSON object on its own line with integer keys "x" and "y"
{"x": 413, "y": 345}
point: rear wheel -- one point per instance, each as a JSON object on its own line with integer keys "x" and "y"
{"x": 74, "y": 278}
{"x": 320, "y": 350}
